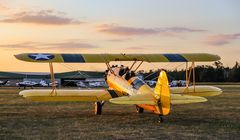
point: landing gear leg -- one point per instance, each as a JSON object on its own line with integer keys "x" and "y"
{"x": 139, "y": 109}
{"x": 98, "y": 108}
{"x": 160, "y": 119}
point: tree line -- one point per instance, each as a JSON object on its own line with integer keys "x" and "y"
{"x": 204, "y": 73}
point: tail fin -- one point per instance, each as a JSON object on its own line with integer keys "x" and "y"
{"x": 162, "y": 92}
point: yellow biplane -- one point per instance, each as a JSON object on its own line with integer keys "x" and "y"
{"x": 124, "y": 86}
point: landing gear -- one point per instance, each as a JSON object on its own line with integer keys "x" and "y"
{"x": 98, "y": 108}
{"x": 139, "y": 109}
{"x": 160, "y": 120}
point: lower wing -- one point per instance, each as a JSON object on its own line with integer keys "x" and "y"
{"x": 69, "y": 95}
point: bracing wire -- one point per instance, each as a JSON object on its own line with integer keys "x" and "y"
{"x": 158, "y": 68}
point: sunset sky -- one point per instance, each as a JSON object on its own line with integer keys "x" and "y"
{"x": 117, "y": 26}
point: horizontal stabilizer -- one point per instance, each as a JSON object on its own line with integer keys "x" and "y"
{"x": 186, "y": 99}
{"x": 135, "y": 99}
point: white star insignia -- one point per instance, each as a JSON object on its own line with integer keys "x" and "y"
{"x": 41, "y": 56}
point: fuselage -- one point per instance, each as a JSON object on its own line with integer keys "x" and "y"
{"x": 131, "y": 86}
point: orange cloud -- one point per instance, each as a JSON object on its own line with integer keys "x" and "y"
{"x": 128, "y": 31}
{"x": 3, "y": 7}
{"x": 43, "y": 17}
{"x": 221, "y": 39}
{"x": 136, "y": 48}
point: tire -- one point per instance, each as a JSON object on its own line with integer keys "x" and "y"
{"x": 139, "y": 109}
{"x": 160, "y": 119}
{"x": 98, "y": 108}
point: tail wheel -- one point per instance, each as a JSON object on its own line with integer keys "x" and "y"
{"x": 160, "y": 120}
{"x": 139, "y": 109}
{"x": 98, "y": 108}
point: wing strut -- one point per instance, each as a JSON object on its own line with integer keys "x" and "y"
{"x": 109, "y": 67}
{"x": 133, "y": 64}
{"x": 194, "y": 82}
{"x": 53, "y": 80}
{"x": 188, "y": 75}
{"x": 138, "y": 66}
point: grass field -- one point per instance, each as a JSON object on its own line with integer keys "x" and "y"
{"x": 219, "y": 118}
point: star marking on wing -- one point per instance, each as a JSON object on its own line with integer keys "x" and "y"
{"x": 41, "y": 56}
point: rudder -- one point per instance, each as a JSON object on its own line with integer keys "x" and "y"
{"x": 162, "y": 93}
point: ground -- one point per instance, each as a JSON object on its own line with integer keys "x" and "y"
{"x": 219, "y": 118}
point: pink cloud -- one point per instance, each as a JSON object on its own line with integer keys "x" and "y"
{"x": 221, "y": 39}
{"x": 62, "y": 46}
{"x": 128, "y": 31}
{"x": 43, "y": 17}
{"x": 122, "y": 30}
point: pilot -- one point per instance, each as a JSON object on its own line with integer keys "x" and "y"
{"x": 127, "y": 75}
{"x": 105, "y": 74}
{"x": 121, "y": 71}
{"x": 132, "y": 74}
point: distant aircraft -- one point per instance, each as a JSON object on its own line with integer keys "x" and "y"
{"x": 81, "y": 84}
{"x": 25, "y": 84}
{"x": 124, "y": 86}
{"x": 55, "y": 83}
{"x": 179, "y": 83}
{"x": 2, "y": 83}
{"x": 43, "y": 83}
{"x": 151, "y": 83}
{"x": 97, "y": 84}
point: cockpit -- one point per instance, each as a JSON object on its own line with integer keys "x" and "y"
{"x": 121, "y": 71}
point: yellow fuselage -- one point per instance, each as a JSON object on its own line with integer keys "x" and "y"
{"x": 131, "y": 87}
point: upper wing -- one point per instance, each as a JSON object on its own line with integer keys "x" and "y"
{"x": 69, "y": 95}
{"x": 104, "y": 58}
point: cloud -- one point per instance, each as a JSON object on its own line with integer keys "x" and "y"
{"x": 120, "y": 40}
{"x": 221, "y": 39}
{"x": 64, "y": 46}
{"x": 3, "y": 7}
{"x": 42, "y": 17}
{"x": 129, "y": 31}
{"x": 136, "y": 48}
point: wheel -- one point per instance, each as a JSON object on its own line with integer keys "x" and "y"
{"x": 139, "y": 109}
{"x": 98, "y": 108}
{"x": 160, "y": 119}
